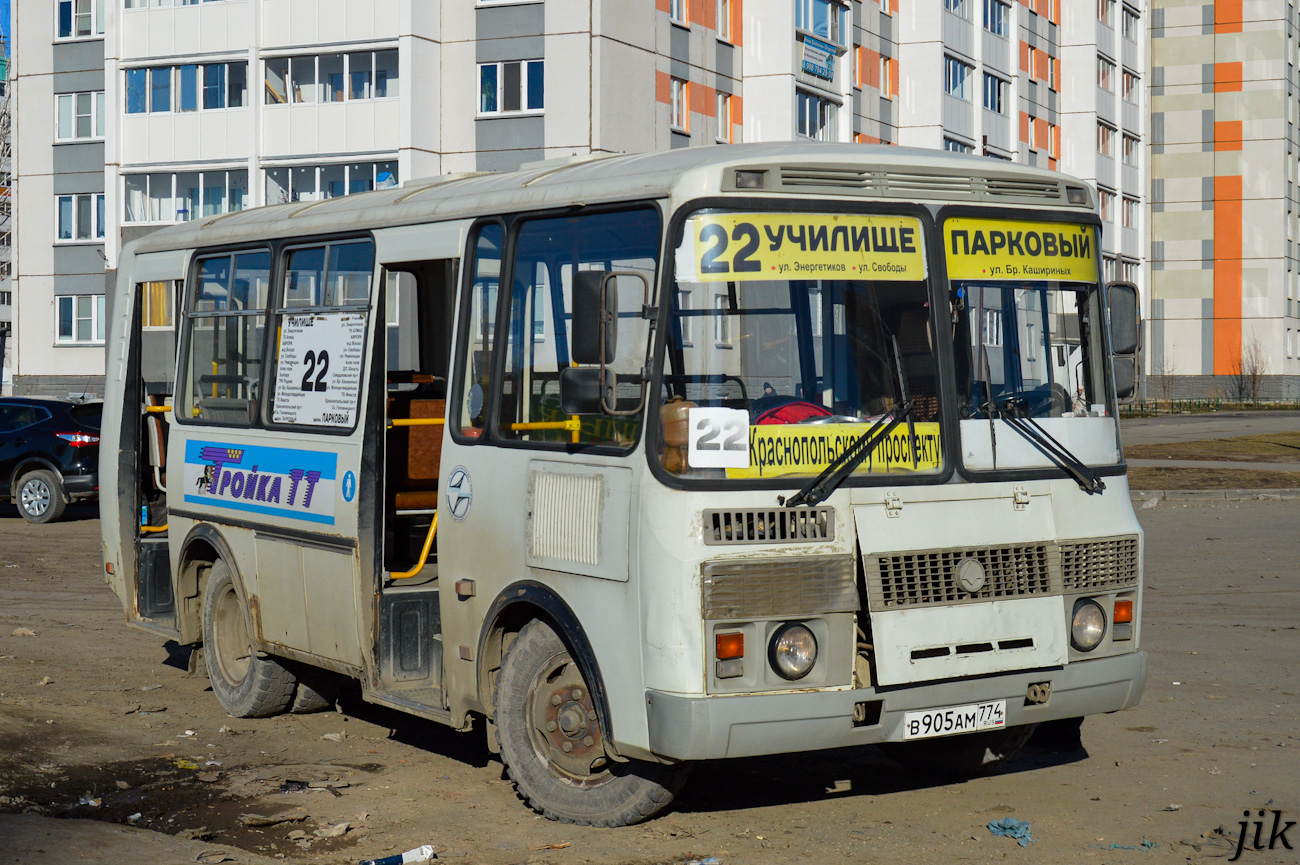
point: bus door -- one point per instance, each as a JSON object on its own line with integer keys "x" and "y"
{"x": 143, "y": 324}
{"x": 534, "y": 492}
{"x": 419, "y": 307}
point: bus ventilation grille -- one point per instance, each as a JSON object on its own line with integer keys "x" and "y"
{"x": 1101, "y": 564}
{"x": 800, "y": 586}
{"x": 927, "y": 577}
{"x": 768, "y": 526}
{"x": 906, "y": 184}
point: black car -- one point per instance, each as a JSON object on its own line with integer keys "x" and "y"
{"x": 49, "y": 454}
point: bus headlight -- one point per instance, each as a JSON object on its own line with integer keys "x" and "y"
{"x": 1088, "y": 625}
{"x": 793, "y": 651}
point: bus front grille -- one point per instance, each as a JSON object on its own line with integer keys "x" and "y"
{"x": 928, "y": 577}
{"x": 796, "y": 586}
{"x": 1106, "y": 563}
{"x": 768, "y": 526}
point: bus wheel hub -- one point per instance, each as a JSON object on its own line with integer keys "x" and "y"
{"x": 566, "y": 720}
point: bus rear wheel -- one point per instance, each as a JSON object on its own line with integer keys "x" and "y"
{"x": 246, "y": 685}
{"x": 964, "y": 755}
{"x": 553, "y": 748}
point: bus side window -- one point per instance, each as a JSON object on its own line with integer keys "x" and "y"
{"x": 226, "y": 338}
{"x": 479, "y": 317}
{"x": 547, "y": 254}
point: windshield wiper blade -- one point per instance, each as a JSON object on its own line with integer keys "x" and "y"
{"x": 1019, "y": 419}
{"x": 819, "y": 488}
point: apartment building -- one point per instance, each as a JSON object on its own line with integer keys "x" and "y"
{"x": 1224, "y": 312}
{"x": 211, "y": 106}
{"x": 60, "y": 220}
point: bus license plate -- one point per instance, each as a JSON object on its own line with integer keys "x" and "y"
{"x": 958, "y": 719}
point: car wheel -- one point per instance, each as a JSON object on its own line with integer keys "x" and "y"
{"x": 40, "y": 496}
{"x": 246, "y": 685}
{"x": 553, "y": 747}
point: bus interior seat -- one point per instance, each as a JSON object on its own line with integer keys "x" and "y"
{"x": 415, "y": 452}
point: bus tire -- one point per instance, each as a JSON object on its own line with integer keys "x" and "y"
{"x": 317, "y": 691}
{"x": 965, "y": 755}
{"x": 543, "y": 704}
{"x": 40, "y": 496}
{"x": 246, "y": 685}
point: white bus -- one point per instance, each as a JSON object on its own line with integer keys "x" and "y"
{"x": 641, "y": 460}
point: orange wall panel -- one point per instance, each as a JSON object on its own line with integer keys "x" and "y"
{"x": 1227, "y": 77}
{"x": 1227, "y": 135}
{"x": 1227, "y": 16}
{"x": 1227, "y": 275}
{"x": 663, "y": 88}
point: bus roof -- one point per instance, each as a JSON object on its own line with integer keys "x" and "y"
{"x": 799, "y": 168}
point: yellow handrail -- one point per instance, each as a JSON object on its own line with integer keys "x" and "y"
{"x": 424, "y": 553}
{"x": 157, "y": 409}
{"x": 417, "y": 421}
{"x": 573, "y": 424}
{"x": 161, "y": 528}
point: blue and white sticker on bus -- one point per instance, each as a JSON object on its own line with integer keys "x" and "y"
{"x": 281, "y": 482}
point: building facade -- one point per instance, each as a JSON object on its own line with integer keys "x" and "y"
{"x": 202, "y": 108}
{"x": 1224, "y": 311}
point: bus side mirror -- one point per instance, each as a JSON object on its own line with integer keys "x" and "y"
{"x": 595, "y": 317}
{"x": 1125, "y": 335}
{"x": 1122, "y": 310}
{"x": 581, "y": 390}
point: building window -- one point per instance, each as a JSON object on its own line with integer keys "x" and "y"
{"x": 1107, "y": 200}
{"x": 952, "y": 145}
{"x": 956, "y": 78}
{"x": 1130, "y": 85}
{"x": 887, "y": 77}
{"x": 721, "y": 322}
{"x": 1131, "y": 146}
{"x": 80, "y": 319}
{"x": 318, "y": 182}
{"x": 679, "y": 106}
{"x": 960, "y": 8}
{"x": 1129, "y": 24}
{"x": 1105, "y": 74}
{"x": 995, "y": 94}
{"x": 331, "y": 77}
{"x": 1130, "y": 212}
{"x": 822, "y": 18}
{"x": 817, "y": 118}
{"x": 81, "y": 217}
{"x": 6, "y": 298}
{"x": 511, "y": 87}
{"x": 80, "y": 116}
{"x": 677, "y": 12}
{"x": 81, "y": 19}
{"x": 1104, "y": 135}
{"x": 159, "y": 303}
{"x": 164, "y": 89}
{"x": 996, "y": 16}
{"x": 724, "y": 117}
{"x": 184, "y": 195}
{"x": 724, "y": 20}
{"x": 1106, "y": 12}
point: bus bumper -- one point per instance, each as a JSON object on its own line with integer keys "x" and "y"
{"x": 748, "y": 725}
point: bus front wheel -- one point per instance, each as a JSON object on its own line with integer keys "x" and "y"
{"x": 553, "y": 748}
{"x": 246, "y": 685}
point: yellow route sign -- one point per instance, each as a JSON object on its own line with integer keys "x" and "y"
{"x": 1011, "y": 249}
{"x": 806, "y": 449}
{"x": 721, "y": 247}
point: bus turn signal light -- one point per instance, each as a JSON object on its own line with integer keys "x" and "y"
{"x": 1123, "y": 612}
{"x": 730, "y": 646}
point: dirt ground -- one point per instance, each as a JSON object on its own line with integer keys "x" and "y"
{"x": 101, "y": 721}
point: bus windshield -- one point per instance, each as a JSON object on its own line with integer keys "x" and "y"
{"x": 790, "y": 334}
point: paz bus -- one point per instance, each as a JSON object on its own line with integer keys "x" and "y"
{"x": 641, "y": 460}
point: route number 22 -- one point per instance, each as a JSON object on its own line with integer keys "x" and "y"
{"x": 312, "y": 360}
{"x": 719, "y": 438}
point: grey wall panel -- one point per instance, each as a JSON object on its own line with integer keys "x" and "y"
{"x": 679, "y": 44}
{"x": 85, "y": 56}
{"x": 506, "y": 160}
{"x": 86, "y": 283}
{"x": 135, "y": 232}
{"x": 508, "y": 21}
{"x": 80, "y": 159}
{"x": 727, "y": 56}
{"x": 510, "y": 48}
{"x": 73, "y": 82}
{"x": 504, "y": 143}
{"x": 81, "y": 181}
{"x": 81, "y": 261}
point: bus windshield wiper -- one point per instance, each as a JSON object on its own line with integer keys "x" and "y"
{"x": 1018, "y": 418}
{"x": 819, "y": 488}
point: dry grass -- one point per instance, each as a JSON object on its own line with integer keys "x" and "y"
{"x": 1210, "y": 479}
{"x": 1276, "y": 447}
